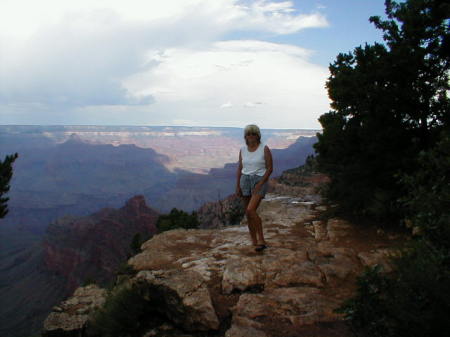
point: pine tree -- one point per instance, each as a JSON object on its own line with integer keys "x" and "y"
{"x": 6, "y": 172}
{"x": 389, "y": 103}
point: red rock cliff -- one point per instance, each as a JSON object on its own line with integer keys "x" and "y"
{"x": 94, "y": 246}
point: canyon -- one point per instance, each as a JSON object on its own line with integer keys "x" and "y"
{"x": 76, "y": 170}
{"x": 66, "y": 174}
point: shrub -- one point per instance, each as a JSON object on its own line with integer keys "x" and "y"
{"x": 412, "y": 301}
{"x": 89, "y": 280}
{"x": 230, "y": 211}
{"x": 136, "y": 243}
{"x": 428, "y": 198}
{"x": 124, "y": 313}
{"x": 177, "y": 219}
{"x": 126, "y": 269}
{"x": 415, "y": 299}
{"x": 234, "y": 213}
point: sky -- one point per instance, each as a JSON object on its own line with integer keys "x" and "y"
{"x": 224, "y": 63}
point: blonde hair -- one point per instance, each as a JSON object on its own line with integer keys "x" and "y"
{"x": 252, "y": 128}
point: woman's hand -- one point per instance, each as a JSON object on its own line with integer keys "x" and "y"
{"x": 257, "y": 187}
{"x": 239, "y": 191}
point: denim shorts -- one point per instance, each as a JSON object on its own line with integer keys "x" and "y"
{"x": 248, "y": 183}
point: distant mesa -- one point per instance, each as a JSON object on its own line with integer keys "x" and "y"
{"x": 75, "y": 138}
{"x": 136, "y": 205}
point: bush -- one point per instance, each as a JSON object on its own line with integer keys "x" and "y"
{"x": 89, "y": 280}
{"x": 230, "y": 211}
{"x": 310, "y": 166}
{"x": 412, "y": 301}
{"x": 428, "y": 198}
{"x": 126, "y": 269}
{"x": 136, "y": 243}
{"x": 177, "y": 219}
{"x": 234, "y": 214}
{"x": 124, "y": 313}
{"x": 415, "y": 299}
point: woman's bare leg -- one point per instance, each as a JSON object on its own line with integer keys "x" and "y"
{"x": 253, "y": 217}
{"x": 259, "y": 231}
{"x": 251, "y": 226}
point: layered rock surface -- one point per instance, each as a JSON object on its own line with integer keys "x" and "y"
{"x": 70, "y": 316}
{"x": 213, "y": 280}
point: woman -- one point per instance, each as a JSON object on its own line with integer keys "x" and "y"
{"x": 255, "y": 167}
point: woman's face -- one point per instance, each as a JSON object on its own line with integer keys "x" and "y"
{"x": 251, "y": 137}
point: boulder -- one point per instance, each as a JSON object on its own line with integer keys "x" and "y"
{"x": 181, "y": 296}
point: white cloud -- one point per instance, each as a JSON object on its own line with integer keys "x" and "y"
{"x": 146, "y": 55}
{"x": 226, "y": 105}
{"x": 279, "y": 17}
{"x": 251, "y": 104}
{"x": 277, "y": 81}
{"x": 23, "y": 18}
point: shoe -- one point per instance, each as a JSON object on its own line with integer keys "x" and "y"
{"x": 260, "y": 248}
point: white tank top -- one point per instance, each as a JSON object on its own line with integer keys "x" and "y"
{"x": 253, "y": 162}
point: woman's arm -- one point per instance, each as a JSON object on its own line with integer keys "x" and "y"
{"x": 238, "y": 175}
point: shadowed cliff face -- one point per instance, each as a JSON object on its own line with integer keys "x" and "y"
{"x": 95, "y": 245}
{"x": 79, "y": 178}
{"x": 292, "y": 156}
{"x": 74, "y": 249}
{"x": 213, "y": 280}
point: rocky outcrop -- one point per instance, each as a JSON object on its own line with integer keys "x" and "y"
{"x": 69, "y": 318}
{"x": 300, "y": 181}
{"x": 212, "y": 279}
{"x": 92, "y": 247}
{"x": 229, "y": 211}
{"x": 218, "y": 214}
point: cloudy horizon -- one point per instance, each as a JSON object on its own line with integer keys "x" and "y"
{"x": 178, "y": 62}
